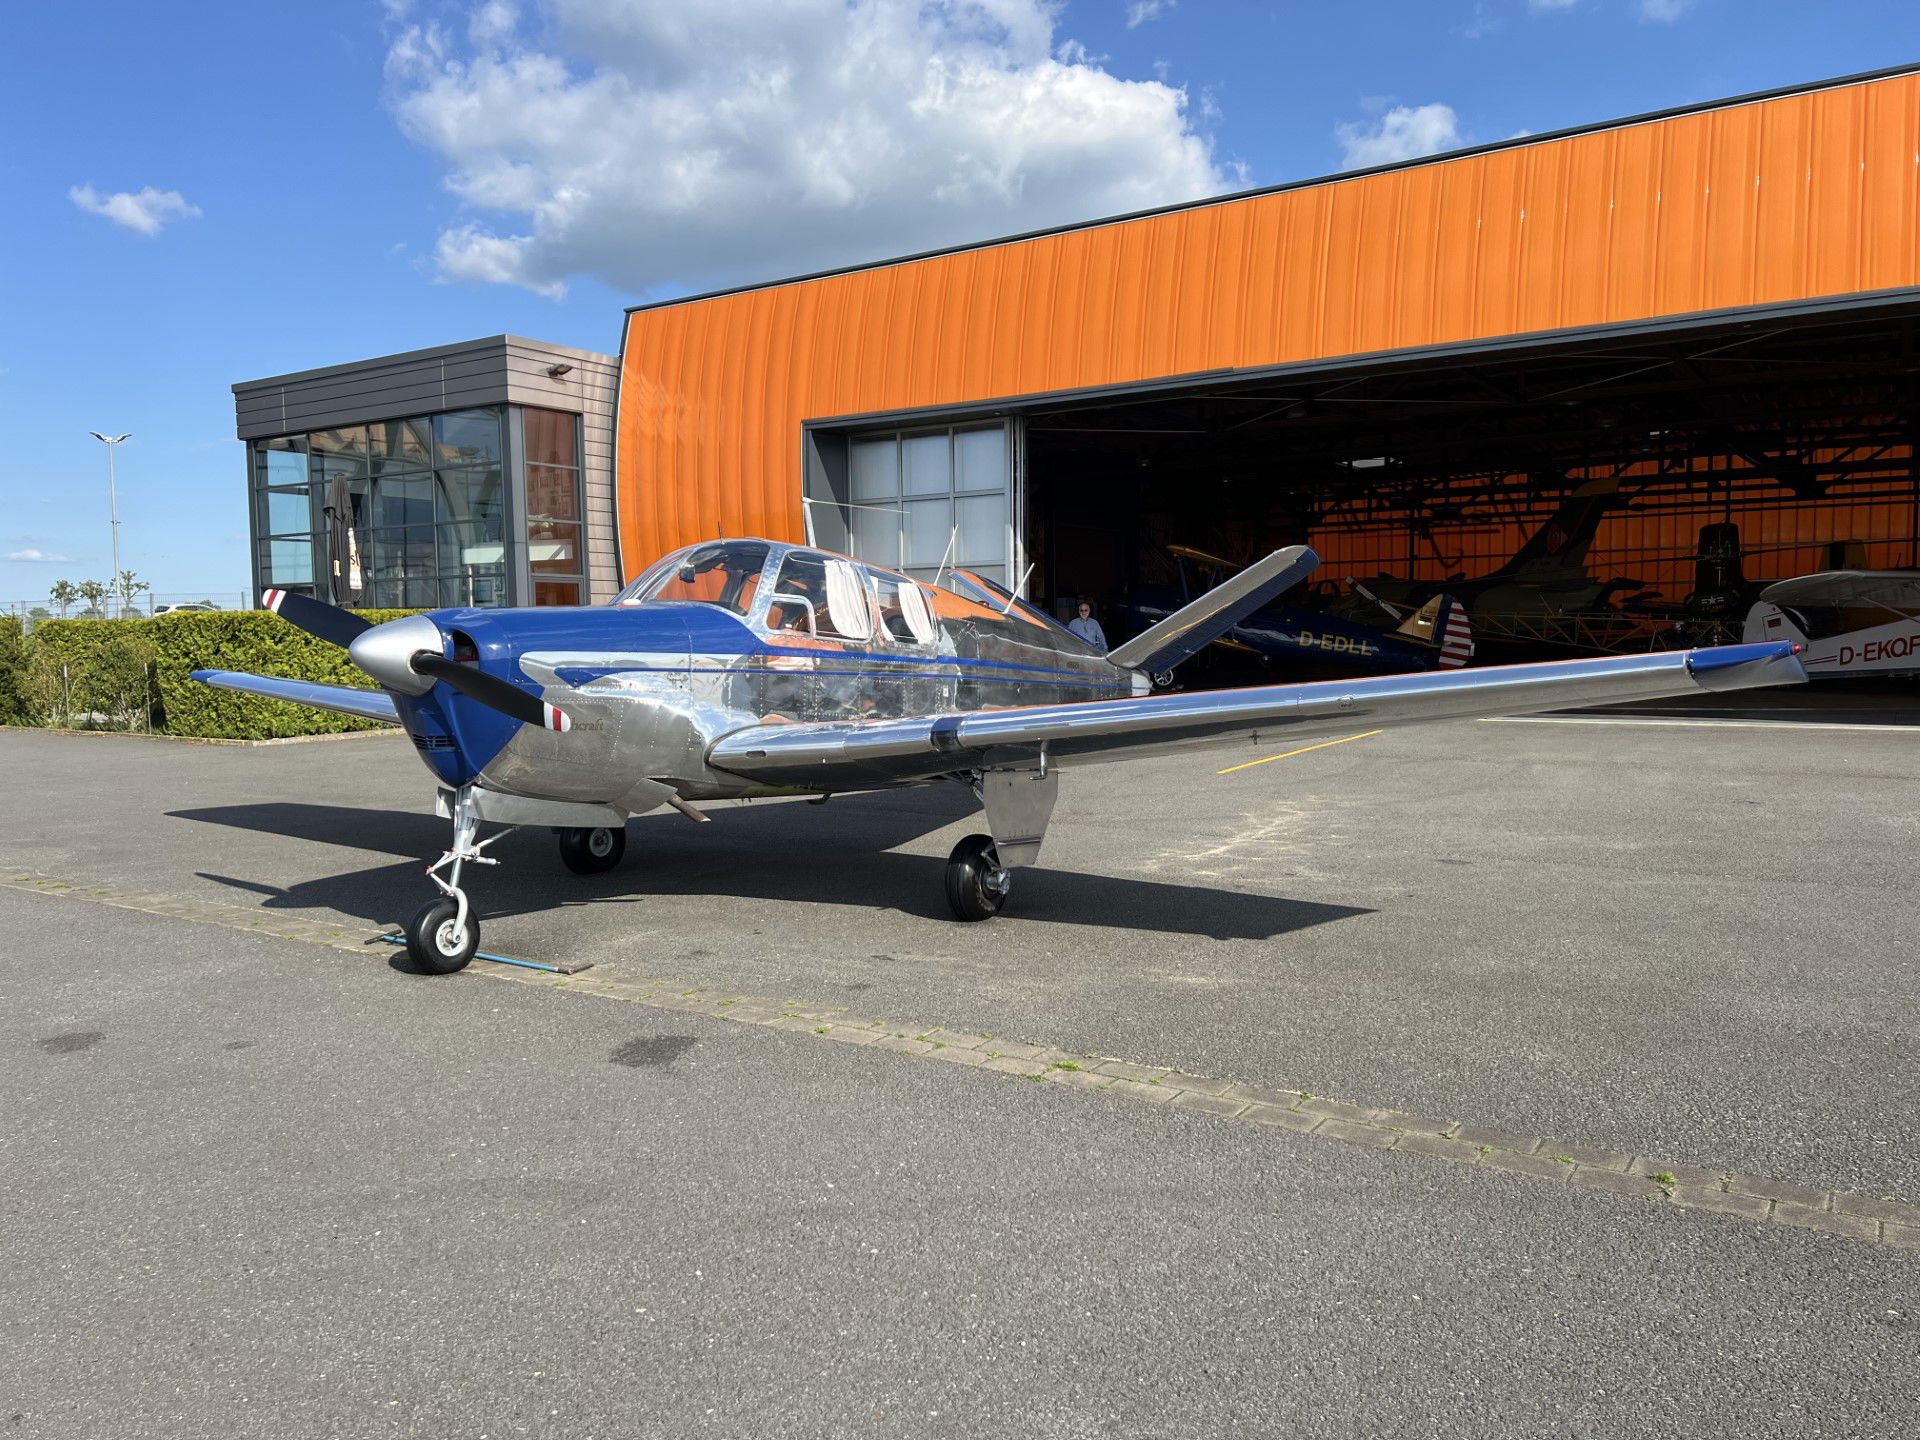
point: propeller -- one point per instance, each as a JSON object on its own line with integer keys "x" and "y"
{"x": 317, "y": 618}
{"x": 395, "y": 655}
{"x": 490, "y": 690}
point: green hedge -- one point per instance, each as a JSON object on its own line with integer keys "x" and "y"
{"x": 15, "y": 706}
{"x": 255, "y": 641}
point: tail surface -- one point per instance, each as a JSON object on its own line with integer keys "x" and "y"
{"x": 1197, "y": 624}
{"x": 1562, "y": 543}
{"x": 1441, "y": 623}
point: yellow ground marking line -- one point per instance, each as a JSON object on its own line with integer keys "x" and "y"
{"x": 1287, "y": 755}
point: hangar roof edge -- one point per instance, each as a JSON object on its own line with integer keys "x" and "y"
{"x": 1645, "y": 118}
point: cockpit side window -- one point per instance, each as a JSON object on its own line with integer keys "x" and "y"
{"x": 905, "y": 616}
{"x": 819, "y": 595}
{"x": 725, "y": 573}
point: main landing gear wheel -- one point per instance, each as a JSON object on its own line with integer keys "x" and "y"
{"x": 976, "y": 883}
{"x": 438, "y": 941}
{"x": 589, "y": 852}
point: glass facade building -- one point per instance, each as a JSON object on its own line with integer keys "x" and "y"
{"x": 485, "y": 504}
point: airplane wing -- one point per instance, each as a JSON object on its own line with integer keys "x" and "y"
{"x": 367, "y": 704}
{"x": 852, "y": 755}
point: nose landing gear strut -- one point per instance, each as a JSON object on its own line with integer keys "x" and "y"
{"x": 442, "y": 937}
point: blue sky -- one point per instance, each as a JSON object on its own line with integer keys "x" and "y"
{"x": 326, "y": 182}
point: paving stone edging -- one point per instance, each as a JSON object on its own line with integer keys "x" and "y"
{"x": 1871, "y": 1219}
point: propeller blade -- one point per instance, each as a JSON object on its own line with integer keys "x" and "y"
{"x": 317, "y": 618}
{"x": 490, "y": 690}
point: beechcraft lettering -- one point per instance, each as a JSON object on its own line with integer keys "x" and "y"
{"x": 575, "y": 718}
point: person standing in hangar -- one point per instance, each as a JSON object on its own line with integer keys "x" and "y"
{"x": 1087, "y": 628}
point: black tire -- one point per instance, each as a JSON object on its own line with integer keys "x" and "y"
{"x": 430, "y": 945}
{"x": 592, "y": 852}
{"x": 976, "y": 885}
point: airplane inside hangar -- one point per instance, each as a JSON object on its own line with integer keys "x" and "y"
{"x": 1649, "y": 487}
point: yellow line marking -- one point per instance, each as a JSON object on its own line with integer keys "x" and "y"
{"x": 1301, "y": 751}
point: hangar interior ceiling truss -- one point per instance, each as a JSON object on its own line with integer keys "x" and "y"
{"x": 1800, "y": 431}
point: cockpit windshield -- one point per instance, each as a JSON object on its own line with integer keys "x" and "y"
{"x": 725, "y": 573}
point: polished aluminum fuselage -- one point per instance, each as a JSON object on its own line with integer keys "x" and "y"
{"x": 650, "y": 687}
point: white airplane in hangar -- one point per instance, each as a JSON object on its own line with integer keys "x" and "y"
{"x": 1852, "y": 622}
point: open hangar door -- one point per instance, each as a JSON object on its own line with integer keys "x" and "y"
{"x": 1665, "y": 478}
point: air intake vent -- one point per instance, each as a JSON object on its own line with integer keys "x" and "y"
{"x": 432, "y": 742}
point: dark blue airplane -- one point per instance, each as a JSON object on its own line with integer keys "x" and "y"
{"x": 1437, "y": 636}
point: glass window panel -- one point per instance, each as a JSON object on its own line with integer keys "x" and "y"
{"x": 467, "y": 437}
{"x": 876, "y": 537}
{"x": 401, "y": 444}
{"x": 347, "y": 440}
{"x": 296, "y": 443}
{"x": 325, "y": 466}
{"x": 925, "y": 464}
{"x": 550, "y": 437}
{"x": 422, "y": 592}
{"x": 995, "y": 573}
{"x": 283, "y": 467}
{"x": 466, "y": 547}
{"x": 929, "y": 528}
{"x": 289, "y": 511}
{"x": 983, "y": 530}
{"x": 553, "y": 547}
{"x": 470, "y": 493}
{"x": 876, "y": 469}
{"x": 552, "y": 494}
{"x": 404, "y": 551}
{"x": 555, "y": 592}
{"x": 981, "y": 457}
{"x": 402, "y": 501}
{"x": 290, "y": 562}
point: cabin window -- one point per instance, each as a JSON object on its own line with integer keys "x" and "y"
{"x": 819, "y": 595}
{"x": 904, "y": 614}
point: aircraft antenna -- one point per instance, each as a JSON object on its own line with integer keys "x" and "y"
{"x": 952, "y": 539}
{"x": 1025, "y": 575}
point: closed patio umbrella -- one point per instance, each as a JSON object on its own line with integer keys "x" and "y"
{"x": 343, "y": 545}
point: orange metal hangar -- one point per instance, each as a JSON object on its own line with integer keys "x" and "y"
{"x": 1411, "y": 367}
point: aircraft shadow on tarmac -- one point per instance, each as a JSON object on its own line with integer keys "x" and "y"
{"x": 786, "y": 852}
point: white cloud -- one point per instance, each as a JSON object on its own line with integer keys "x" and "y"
{"x": 1141, "y": 11}
{"x": 1402, "y": 133}
{"x": 37, "y": 557}
{"x": 659, "y": 145}
{"x": 1664, "y": 11}
{"x": 145, "y": 210}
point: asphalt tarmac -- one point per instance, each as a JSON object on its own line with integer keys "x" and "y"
{"x": 249, "y": 1186}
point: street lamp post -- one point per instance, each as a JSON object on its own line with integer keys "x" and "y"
{"x": 113, "y": 508}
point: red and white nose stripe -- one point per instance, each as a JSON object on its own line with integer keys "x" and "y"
{"x": 272, "y": 600}
{"x": 556, "y": 718}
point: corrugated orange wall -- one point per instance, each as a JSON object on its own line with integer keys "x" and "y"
{"x": 1777, "y": 200}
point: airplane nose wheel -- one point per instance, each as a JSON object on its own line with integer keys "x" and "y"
{"x": 442, "y": 937}
{"x": 441, "y": 941}
{"x": 977, "y": 885}
{"x": 590, "y": 852}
